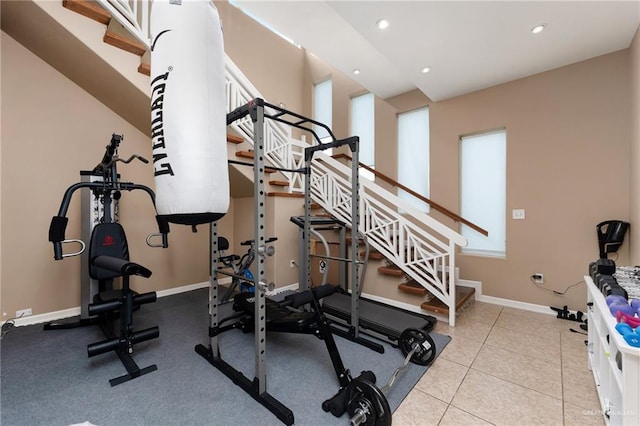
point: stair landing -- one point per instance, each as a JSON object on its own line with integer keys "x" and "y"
{"x": 463, "y": 295}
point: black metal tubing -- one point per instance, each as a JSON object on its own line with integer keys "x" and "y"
{"x": 344, "y": 376}
{"x": 352, "y": 141}
{"x": 251, "y": 387}
{"x": 249, "y": 109}
{"x": 133, "y": 371}
{"x": 96, "y": 186}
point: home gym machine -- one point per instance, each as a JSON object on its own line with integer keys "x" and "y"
{"x": 351, "y": 313}
{"x": 106, "y": 258}
{"x": 263, "y": 308}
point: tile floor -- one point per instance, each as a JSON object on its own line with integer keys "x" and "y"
{"x": 505, "y": 366}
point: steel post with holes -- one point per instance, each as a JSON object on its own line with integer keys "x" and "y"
{"x": 256, "y": 388}
{"x": 257, "y": 116}
{"x": 213, "y": 290}
{"x": 355, "y": 225}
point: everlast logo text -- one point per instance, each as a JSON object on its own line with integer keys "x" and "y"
{"x": 161, "y": 164}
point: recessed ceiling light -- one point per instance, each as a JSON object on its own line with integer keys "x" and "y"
{"x": 382, "y": 24}
{"x": 356, "y": 71}
{"x": 425, "y": 70}
{"x": 538, "y": 28}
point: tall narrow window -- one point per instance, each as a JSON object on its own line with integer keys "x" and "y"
{"x": 413, "y": 155}
{"x": 483, "y": 183}
{"x": 363, "y": 126}
{"x": 322, "y": 108}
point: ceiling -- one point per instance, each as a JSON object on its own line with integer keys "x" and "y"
{"x": 468, "y": 45}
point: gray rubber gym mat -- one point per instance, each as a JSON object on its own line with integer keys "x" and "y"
{"x": 47, "y": 378}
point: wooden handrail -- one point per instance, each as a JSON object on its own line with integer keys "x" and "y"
{"x": 433, "y": 204}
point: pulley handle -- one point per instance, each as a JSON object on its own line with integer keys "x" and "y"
{"x": 63, "y": 255}
{"x": 164, "y": 243}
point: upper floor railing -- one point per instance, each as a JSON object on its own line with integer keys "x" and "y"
{"x": 133, "y": 15}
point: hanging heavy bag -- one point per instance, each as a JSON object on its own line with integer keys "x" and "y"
{"x": 188, "y": 112}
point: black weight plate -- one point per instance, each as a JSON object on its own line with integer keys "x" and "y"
{"x": 367, "y": 405}
{"x": 426, "y": 350}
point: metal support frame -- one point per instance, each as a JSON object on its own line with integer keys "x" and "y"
{"x": 256, "y": 388}
{"x": 353, "y": 143}
{"x": 92, "y": 211}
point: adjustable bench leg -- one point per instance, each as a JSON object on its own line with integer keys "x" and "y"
{"x": 133, "y": 371}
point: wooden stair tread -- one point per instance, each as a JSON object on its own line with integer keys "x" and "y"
{"x": 277, "y": 182}
{"x": 463, "y": 294}
{"x": 145, "y": 69}
{"x": 244, "y": 154}
{"x": 412, "y": 287}
{"x": 391, "y": 270}
{"x": 235, "y": 139}
{"x": 124, "y": 43}
{"x": 89, "y": 9}
{"x": 374, "y": 255}
{"x": 286, "y": 194}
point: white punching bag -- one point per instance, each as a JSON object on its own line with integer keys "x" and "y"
{"x": 188, "y": 112}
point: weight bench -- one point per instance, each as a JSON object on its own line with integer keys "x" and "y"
{"x": 109, "y": 238}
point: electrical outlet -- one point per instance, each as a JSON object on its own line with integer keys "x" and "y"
{"x": 538, "y": 278}
{"x": 23, "y": 313}
{"x": 292, "y": 263}
{"x": 517, "y": 214}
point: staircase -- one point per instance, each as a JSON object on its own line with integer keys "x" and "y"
{"x": 420, "y": 248}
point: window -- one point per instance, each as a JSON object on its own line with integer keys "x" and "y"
{"x": 413, "y": 155}
{"x": 363, "y": 125}
{"x": 322, "y": 109}
{"x": 483, "y": 184}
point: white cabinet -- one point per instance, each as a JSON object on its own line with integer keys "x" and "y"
{"x": 618, "y": 390}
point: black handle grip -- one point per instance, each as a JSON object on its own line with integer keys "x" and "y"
{"x": 146, "y": 334}
{"x": 103, "y": 347}
{"x": 119, "y": 265}
{"x": 144, "y": 298}
{"x": 324, "y": 291}
{"x": 299, "y": 299}
{"x": 98, "y": 308}
{"x": 57, "y": 230}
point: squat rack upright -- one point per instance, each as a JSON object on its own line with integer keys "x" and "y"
{"x": 255, "y": 109}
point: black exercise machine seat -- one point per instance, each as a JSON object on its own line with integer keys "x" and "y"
{"x": 109, "y": 259}
{"x": 121, "y": 266}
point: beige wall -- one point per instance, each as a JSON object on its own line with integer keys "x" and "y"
{"x": 52, "y": 129}
{"x": 560, "y": 125}
{"x": 568, "y": 135}
{"x": 273, "y": 65}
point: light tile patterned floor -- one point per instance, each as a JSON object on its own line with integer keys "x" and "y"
{"x": 505, "y": 366}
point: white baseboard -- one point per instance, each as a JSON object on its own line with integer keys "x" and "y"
{"x": 531, "y": 307}
{"x": 185, "y": 288}
{"x": 72, "y": 312}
